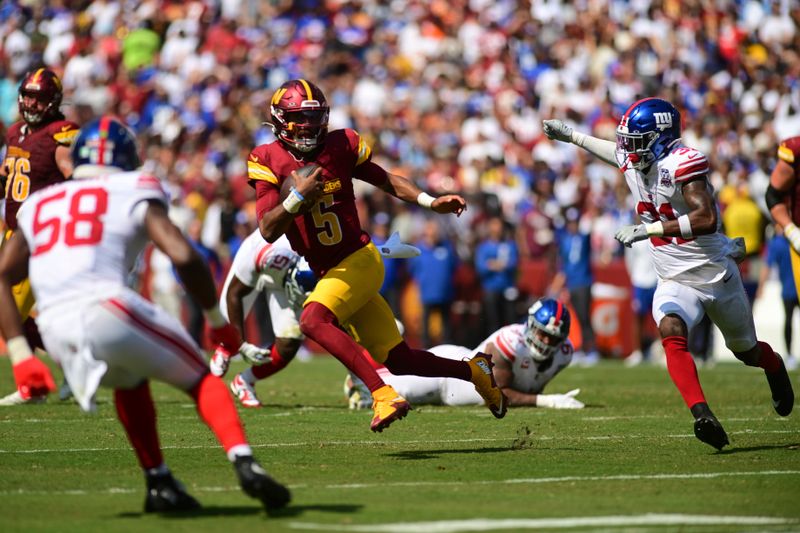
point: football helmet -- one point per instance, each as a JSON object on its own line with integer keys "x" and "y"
{"x": 40, "y": 96}
{"x": 647, "y": 130}
{"x": 299, "y": 282}
{"x": 299, "y": 113}
{"x": 550, "y": 318}
{"x": 106, "y": 142}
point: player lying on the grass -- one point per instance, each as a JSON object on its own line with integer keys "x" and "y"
{"x": 526, "y": 357}
{"x": 77, "y": 242}
{"x": 284, "y": 278}
{"x": 694, "y": 260}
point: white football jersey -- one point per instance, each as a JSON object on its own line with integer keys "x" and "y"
{"x": 84, "y": 235}
{"x": 529, "y": 376}
{"x": 658, "y": 196}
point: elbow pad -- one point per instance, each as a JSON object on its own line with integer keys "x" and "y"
{"x": 774, "y": 197}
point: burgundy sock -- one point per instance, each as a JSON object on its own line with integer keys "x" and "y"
{"x": 768, "y": 360}
{"x": 267, "y": 369}
{"x": 682, "y": 370}
{"x": 138, "y": 416}
{"x": 32, "y": 335}
{"x": 216, "y": 408}
{"x": 404, "y": 360}
{"x": 320, "y": 324}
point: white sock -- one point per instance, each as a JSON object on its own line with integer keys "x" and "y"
{"x": 240, "y": 450}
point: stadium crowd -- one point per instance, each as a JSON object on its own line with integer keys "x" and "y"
{"x": 449, "y": 93}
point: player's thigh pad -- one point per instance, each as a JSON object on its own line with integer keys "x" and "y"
{"x": 345, "y": 288}
{"x": 285, "y": 320}
{"x": 138, "y": 340}
{"x": 375, "y": 328}
{"x": 672, "y": 298}
{"x": 729, "y": 308}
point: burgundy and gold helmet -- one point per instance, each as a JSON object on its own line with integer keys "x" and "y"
{"x": 299, "y": 113}
{"x": 40, "y": 96}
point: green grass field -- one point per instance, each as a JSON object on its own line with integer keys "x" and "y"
{"x": 628, "y": 462}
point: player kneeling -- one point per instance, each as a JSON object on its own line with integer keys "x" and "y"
{"x": 526, "y": 357}
{"x": 77, "y": 242}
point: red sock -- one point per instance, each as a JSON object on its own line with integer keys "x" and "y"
{"x": 138, "y": 416}
{"x": 768, "y": 360}
{"x": 682, "y": 370}
{"x": 404, "y": 360}
{"x": 267, "y": 369}
{"x": 215, "y": 406}
{"x": 320, "y": 324}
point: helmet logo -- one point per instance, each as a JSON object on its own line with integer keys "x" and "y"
{"x": 663, "y": 121}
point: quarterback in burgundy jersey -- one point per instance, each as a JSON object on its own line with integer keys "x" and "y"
{"x": 783, "y": 198}
{"x": 319, "y": 217}
{"x": 694, "y": 261}
{"x": 37, "y": 155}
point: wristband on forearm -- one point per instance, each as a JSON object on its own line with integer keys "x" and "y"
{"x": 686, "y": 227}
{"x": 425, "y": 200}
{"x": 18, "y": 350}
{"x": 293, "y": 201}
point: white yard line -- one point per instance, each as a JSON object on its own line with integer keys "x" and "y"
{"x": 512, "y": 481}
{"x": 487, "y": 524}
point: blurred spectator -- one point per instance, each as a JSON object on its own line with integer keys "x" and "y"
{"x": 496, "y": 259}
{"x": 434, "y": 270}
{"x": 575, "y": 275}
{"x": 643, "y": 281}
{"x": 779, "y": 257}
{"x": 140, "y": 46}
{"x": 195, "y": 320}
{"x": 390, "y": 289}
{"x": 743, "y": 218}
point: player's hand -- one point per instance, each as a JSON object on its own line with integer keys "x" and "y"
{"x": 309, "y": 186}
{"x": 33, "y": 378}
{"x": 557, "y": 130}
{"x": 792, "y": 234}
{"x": 628, "y": 235}
{"x": 226, "y": 335}
{"x": 560, "y": 401}
{"x": 449, "y": 203}
{"x": 253, "y": 354}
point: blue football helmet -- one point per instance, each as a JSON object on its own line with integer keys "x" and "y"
{"x": 106, "y": 142}
{"x": 547, "y": 328}
{"x": 647, "y": 130}
{"x": 300, "y": 281}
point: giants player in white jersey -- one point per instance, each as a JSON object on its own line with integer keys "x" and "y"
{"x": 526, "y": 357}
{"x": 693, "y": 259}
{"x": 285, "y": 279}
{"x": 77, "y": 242}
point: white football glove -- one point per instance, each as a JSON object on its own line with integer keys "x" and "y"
{"x": 792, "y": 234}
{"x": 557, "y": 130}
{"x": 628, "y": 235}
{"x": 253, "y": 354}
{"x": 560, "y": 401}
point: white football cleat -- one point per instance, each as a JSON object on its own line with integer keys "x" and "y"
{"x": 15, "y": 398}
{"x": 245, "y": 392}
{"x": 219, "y": 362}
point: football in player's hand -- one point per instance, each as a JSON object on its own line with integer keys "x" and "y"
{"x": 289, "y": 182}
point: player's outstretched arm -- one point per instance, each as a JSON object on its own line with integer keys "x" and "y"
{"x": 234, "y": 297}
{"x": 405, "y": 190}
{"x": 559, "y": 131}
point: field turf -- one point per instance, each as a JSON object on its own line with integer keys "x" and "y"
{"x": 628, "y": 462}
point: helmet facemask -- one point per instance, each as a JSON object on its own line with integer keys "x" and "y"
{"x": 34, "y": 107}
{"x": 303, "y": 130}
{"x": 542, "y": 341}
{"x": 637, "y": 147}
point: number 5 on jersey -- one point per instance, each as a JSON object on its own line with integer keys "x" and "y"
{"x": 82, "y": 226}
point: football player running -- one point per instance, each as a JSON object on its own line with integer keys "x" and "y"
{"x": 37, "y": 155}
{"x": 782, "y": 197}
{"x": 283, "y": 277}
{"x": 77, "y": 241}
{"x": 319, "y": 218}
{"x": 526, "y": 358}
{"x": 694, "y": 261}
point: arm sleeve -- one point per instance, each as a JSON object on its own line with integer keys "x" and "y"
{"x": 372, "y": 173}
{"x": 605, "y": 150}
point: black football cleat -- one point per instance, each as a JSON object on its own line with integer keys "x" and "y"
{"x": 781, "y": 387}
{"x": 256, "y": 483}
{"x": 707, "y": 428}
{"x": 165, "y": 494}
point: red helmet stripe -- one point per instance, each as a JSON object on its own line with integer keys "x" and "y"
{"x": 104, "y": 122}
{"x": 559, "y": 311}
{"x": 628, "y": 111}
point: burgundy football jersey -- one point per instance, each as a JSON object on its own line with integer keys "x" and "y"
{"x": 30, "y": 162}
{"x": 331, "y": 230}
{"x": 789, "y": 151}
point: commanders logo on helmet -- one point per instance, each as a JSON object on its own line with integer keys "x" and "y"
{"x": 299, "y": 113}
{"x": 550, "y": 319}
{"x": 40, "y": 96}
{"x": 647, "y": 130}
